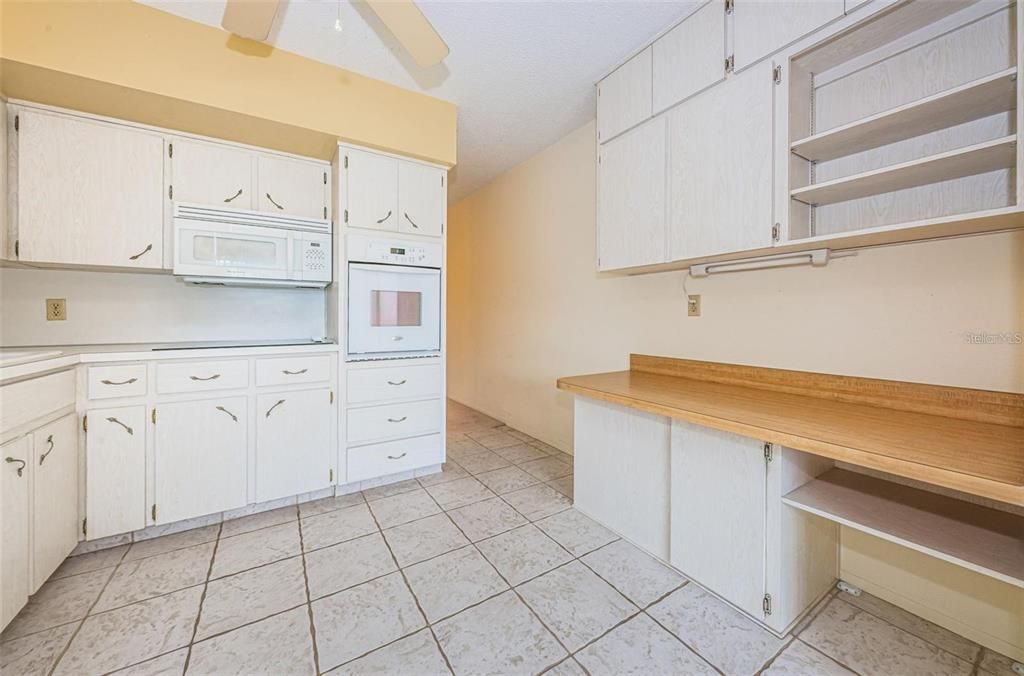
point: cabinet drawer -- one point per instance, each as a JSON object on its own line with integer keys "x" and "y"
{"x": 201, "y": 376}
{"x": 128, "y": 380}
{"x": 395, "y": 382}
{"x": 369, "y": 462}
{"x": 393, "y": 421}
{"x": 30, "y": 399}
{"x": 293, "y": 370}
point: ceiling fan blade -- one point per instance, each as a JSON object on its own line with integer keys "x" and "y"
{"x": 406, "y": 22}
{"x": 251, "y": 19}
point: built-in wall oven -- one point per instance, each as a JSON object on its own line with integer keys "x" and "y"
{"x": 394, "y": 297}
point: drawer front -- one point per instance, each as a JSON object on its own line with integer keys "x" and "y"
{"x": 30, "y": 399}
{"x": 201, "y": 376}
{"x": 293, "y": 370}
{"x": 123, "y": 380}
{"x": 394, "y": 382}
{"x": 393, "y": 421}
{"x": 370, "y": 462}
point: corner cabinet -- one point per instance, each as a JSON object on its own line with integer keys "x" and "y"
{"x": 382, "y": 192}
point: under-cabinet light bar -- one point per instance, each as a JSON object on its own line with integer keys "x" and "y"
{"x": 818, "y": 258}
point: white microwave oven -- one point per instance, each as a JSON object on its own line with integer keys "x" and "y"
{"x": 236, "y": 247}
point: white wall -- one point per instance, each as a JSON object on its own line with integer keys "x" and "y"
{"x": 111, "y": 307}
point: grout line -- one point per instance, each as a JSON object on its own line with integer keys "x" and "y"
{"x": 309, "y": 603}
{"x": 688, "y": 646}
{"x": 826, "y": 655}
{"x": 771, "y": 660}
{"x": 202, "y": 597}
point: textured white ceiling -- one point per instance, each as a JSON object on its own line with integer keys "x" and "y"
{"x": 521, "y": 72}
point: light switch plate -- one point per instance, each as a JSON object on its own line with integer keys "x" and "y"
{"x": 56, "y": 309}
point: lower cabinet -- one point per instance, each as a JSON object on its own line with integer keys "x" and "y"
{"x": 295, "y": 452}
{"x": 15, "y": 457}
{"x": 115, "y": 471}
{"x": 55, "y": 524}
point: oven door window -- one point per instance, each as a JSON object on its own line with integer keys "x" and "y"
{"x": 393, "y": 308}
{"x": 396, "y": 308}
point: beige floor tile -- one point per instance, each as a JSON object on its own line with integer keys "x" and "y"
{"x": 563, "y": 485}
{"x": 537, "y": 502}
{"x": 337, "y": 526}
{"x": 450, "y": 471}
{"x": 415, "y": 655}
{"x": 143, "y": 579}
{"x": 548, "y": 469}
{"x": 449, "y": 583}
{"x": 241, "y": 552}
{"x": 358, "y": 620}
{"x": 641, "y": 577}
{"x": 567, "y": 667}
{"x": 799, "y": 659}
{"x": 251, "y": 595}
{"x": 520, "y": 453}
{"x": 464, "y": 447}
{"x": 129, "y": 635}
{"x": 483, "y": 462}
{"x": 272, "y": 517}
{"x": 577, "y": 533}
{"x": 277, "y": 646}
{"x": 499, "y": 636}
{"x": 86, "y": 563}
{"x": 486, "y": 518}
{"x": 459, "y": 493}
{"x": 507, "y": 479}
{"x": 493, "y": 439}
{"x": 167, "y": 543}
{"x": 331, "y": 504}
{"x": 523, "y": 553}
{"x": 58, "y": 602}
{"x": 171, "y": 664}
{"x": 996, "y": 664}
{"x": 35, "y": 654}
{"x": 399, "y": 509}
{"x": 388, "y": 490}
{"x": 347, "y": 564}
{"x": 424, "y": 539}
{"x": 640, "y": 646}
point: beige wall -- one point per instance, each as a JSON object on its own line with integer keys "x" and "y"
{"x": 526, "y": 306}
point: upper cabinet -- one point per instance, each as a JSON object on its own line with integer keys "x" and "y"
{"x": 382, "y": 192}
{"x": 421, "y": 199}
{"x": 624, "y": 97}
{"x": 690, "y": 57}
{"x": 212, "y": 174}
{"x": 761, "y": 28}
{"x": 291, "y": 186}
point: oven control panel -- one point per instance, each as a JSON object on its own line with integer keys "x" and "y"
{"x": 363, "y": 249}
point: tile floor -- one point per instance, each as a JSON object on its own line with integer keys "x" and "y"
{"x": 481, "y": 569}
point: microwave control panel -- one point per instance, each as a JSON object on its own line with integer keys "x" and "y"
{"x": 394, "y": 252}
{"x": 314, "y": 258}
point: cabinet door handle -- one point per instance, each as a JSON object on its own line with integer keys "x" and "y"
{"x": 397, "y": 338}
{"x": 294, "y": 373}
{"x": 399, "y": 456}
{"x": 233, "y": 416}
{"x": 234, "y": 197}
{"x": 386, "y": 217}
{"x": 119, "y": 382}
{"x": 273, "y": 202}
{"x": 149, "y": 247}
{"x": 21, "y": 468}
{"x": 411, "y": 221}
{"x": 279, "y": 402}
{"x": 49, "y": 450}
{"x": 213, "y": 377}
{"x": 127, "y": 429}
{"x": 396, "y": 420}
{"x": 400, "y": 382}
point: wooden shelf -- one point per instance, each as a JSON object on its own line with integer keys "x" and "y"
{"x": 980, "y": 538}
{"x": 979, "y": 158}
{"x": 996, "y": 93}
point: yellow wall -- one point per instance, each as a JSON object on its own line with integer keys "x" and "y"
{"x": 127, "y": 60}
{"x": 526, "y": 306}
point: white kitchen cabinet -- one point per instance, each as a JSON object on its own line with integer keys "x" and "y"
{"x": 88, "y": 192}
{"x": 720, "y": 168}
{"x": 631, "y": 198}
{"x": 15, "y": 477}
{"x": 371, "y": 190}
{"x": 292, "y": 186}
{"x": 115, "y": 471}
{"x": 295, "y": 449}
{"x": 761, "y": 28}
{"x": 690, "y": 57}
{"x": 624, "y": 97}
{"x": 55, "y": 524}
{"x": 199, "y": 458}
{"x": 422, "y": 199}
{"x": 213, "y": 174}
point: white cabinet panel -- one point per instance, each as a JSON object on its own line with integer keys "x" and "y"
{"x": 392, "y": 457}
{"x": 372, "y": 383}
{"x": 291, "y": 186}
{"x": 371, "y": 190}
{"x": 115, "y": 471}
{"x": 89, "y": 193}
{"x": 690, "y": 57}
{"x": 421, "y": 199}
{"x": 201, "y": 376}
{"x": 55, "y": 522}
{"x": 624, "y": 97}
{"x": 631, "y": 198}
{"x": 720, "y": 167}
{"x": 27, "y": 400}
{"x": 293, "y": 370}
{"x": 213, "y": 174}
{"x": 393, "y": 421}
{"x": 14, "y": 526}
{"x": 116, "y": 380}
{"x": 761, "y": 28}
{"x": 200, "y": 458}
{"x": 294, "y": 443}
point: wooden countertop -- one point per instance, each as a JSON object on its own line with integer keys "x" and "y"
{"x": 966, "y": 440}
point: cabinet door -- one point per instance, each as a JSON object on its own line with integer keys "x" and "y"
{"x": 55, "y": 524}
{"x": 115, "y": 471}
{"x": 200, "y": 458}
{"x": 89, "y": 193}
{"x": 293, "y": 187}
{"x": 720, "y": 168}
{"x": 421, "y": 199}
{"x": 372, "y": 191}
{"x": 294, "y": 449}
{"x": 14, "y": 525}
{"x": 718, "y": 512}
{"x": 631, "y": 198}
{"x": 690, "y": 57}
{"x": 761, "y": 28}
{"x": 624, "y": 97}
{"x": 212, "y": 174}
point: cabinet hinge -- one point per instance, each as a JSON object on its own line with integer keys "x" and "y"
{"x": 777, "y": 75}
{"x": 153, "y": 511}
{"x": 332, "y": 396}
{"x": 17, "y": 248}
{"x": 325, "y": 178}
{"x": 346, "y": 215}
{"x": 729, "y": 6}
{"x": 170, "y": 192}
{"x": 84, "y": 522}
{"x": 17, "y": 122}
{"x": 775, "y": 232}
{"x": 85, "y": 423}
{"x": 152, "y": 416}
{"x": 330, "y": 476}
{"x": 442, "y": 180}
{"x": 346, "y": 161}
{"x": 766, "y": 604}
{"x": 730, "y": 63}
{"x": 325, "y": 212}
{"x": 170, "y": 150}
{"x": 768, "y": 452}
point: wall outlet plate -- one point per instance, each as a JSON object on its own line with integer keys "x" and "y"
{"x": 693, "y": 305}
{"x": 56, "y": 309}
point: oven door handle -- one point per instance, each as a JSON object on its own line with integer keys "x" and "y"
{"x": 394, "y": 269}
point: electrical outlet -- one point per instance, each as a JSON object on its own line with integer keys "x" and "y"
{"x": 56, "y": 309}
{"x": 693, "y": 305}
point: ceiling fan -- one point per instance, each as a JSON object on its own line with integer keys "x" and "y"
{"x": 253, "y": 19}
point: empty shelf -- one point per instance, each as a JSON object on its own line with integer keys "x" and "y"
{"x": 982, "y": 539}
{"x": 996, "y": 93}
{"x": 979, "y": 158}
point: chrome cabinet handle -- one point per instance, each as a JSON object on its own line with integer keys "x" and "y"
{"x": 400, "y": 382}
{"x": 273, "y": 202}
{"x": 279, "y": 402}
{"x": 233, "y": 416}
{"x": 293, "y": 373}
{"x": 213, "y": 377}
{"x": 49, "y": 440}
{"x": 119, "y": 382}
{"x": 23, "y": 463}
{"x": 127, "y": 429}
{"x": 411, "y": 221}
{"x": 385, "y": 218}
{"x": 234, "y": 197}
{"x": 397, "y": 338}
{"x": 398, "y": 457}
{"x": 402, "y": 419}
{"x": 149, "y": 247}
